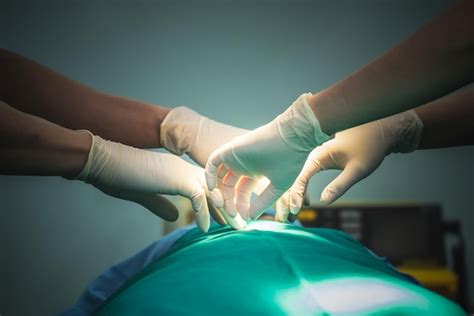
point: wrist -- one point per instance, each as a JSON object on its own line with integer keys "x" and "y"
{"x": 82, "y": 142}
{"x": 179, "y": 130}
{"x": 325, "y": 105}
{"x": 402, "y": 132}
{"x": 300, "y": 127}
{"x": 159, "y": 115}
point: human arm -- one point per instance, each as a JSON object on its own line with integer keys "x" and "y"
{"x": 34, "y": 146}
{"x": 448, "y": 121}
{"x": 360, "y": 150}
{"x": 37, "y": 90}
{"x": 434, "y": 61}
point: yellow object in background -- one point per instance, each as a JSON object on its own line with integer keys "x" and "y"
{"x": 307, "y": 215}
{"x": 438, "y": 279}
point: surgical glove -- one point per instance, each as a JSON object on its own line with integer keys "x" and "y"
{"x": 277, "y": 150}
{"x": 185, "y": 131}
{"x": 357, "y": 152}
{"x": 138, "y": 175}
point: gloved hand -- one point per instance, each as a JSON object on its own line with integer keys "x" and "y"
{"x": 138, "y": 175}
{"x": 357, "y": 152}
{"x": 184, "y": 131}
{"x": 276, "y": 150}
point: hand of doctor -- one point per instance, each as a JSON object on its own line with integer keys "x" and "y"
{"x": 276, "y": 150}
{"x": 140, "y": 176}
{"x": 357, "y": 152}
{"x": 183, "y": 131}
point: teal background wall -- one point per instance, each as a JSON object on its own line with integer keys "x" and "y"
{"x": 241, "y": 63}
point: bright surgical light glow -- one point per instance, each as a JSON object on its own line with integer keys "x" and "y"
{"x": 265, "y": 225}
{"x": 279, "y": 227}
{"x": 347, "y": 295}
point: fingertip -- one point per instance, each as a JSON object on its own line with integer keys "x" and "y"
{"x": 281, "y": 209}
{"x": 215, "y": 213}
{"x": 295, "y": 209}
{"x": 240, "y": 222}
{"x": 328, "y": 196}
{"x": 243, "y": 193}
{"x": 296, "y": 201}
{"x": 235, "y": 222}
{"x": 203, "y": 219}
{"x": 211, "y": 180}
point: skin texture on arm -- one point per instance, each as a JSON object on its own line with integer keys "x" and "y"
{"x": 436, "y": 60}
{"x": 359, "y": 151}
{"x": 37, "y": 90}
{"x": 33, "y": 146}
{"x": 441, "y": 120}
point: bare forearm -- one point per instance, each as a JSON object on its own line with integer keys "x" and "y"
{"x": 436, "y": 60}
{"x": 447, "y": 122}
{"x": 33, "y": 146}
{"x": 35, "y": 89}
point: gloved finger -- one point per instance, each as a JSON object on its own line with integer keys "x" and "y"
{"x": 243, "y": 193}
{"x": 199, "y": 203}
{"x": 215, "y": 213}
{"x": 347, "y": 178}
{"x": 264, "y": 200}
{"x": 216, "y": 198}
{"x": 297, "y": 194}
{"x": 296, "y": 201}
{"x": 212, "y": 164}
{"x": 235, "y": 222}
{"x": 228, "y": 192}
{"x": 314, "y": 165}
{"x": 283, "y": 207}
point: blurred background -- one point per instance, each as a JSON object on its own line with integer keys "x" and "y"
{"x": 239, "y": 62}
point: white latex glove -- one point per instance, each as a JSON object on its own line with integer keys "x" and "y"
{"x": 357, "y": 152}
{"x": 276, "y": 150}
{"x": 138, "y": 175}
{"x": 183, "y": 131}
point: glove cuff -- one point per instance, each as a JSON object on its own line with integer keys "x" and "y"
{"x": 402, "y": 131}
{"x": 178, "y": 130}
{"x": 86, "y": 174}
{"x": 299, "y": 126}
